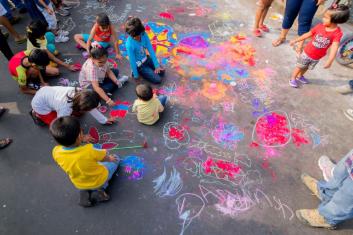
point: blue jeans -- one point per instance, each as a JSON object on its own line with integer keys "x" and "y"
{"x": 33, "y": 11}
{"x": 306, "y": 10}
{"x": 337, "y": 195}
{"x": 351, "y": 84}
{"x": 163, "y": 99}
{"x": 18, "y": 4}
{"x": 111, "y": 167}
{"x": 108, "y": 85}
{"x": 146, "y": 70}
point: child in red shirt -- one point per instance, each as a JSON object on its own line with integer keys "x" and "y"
{"x": 323, "y": 36}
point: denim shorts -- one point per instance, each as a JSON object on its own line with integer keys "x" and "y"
{"x": 305, "y": 62}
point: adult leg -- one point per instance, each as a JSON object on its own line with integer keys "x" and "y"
{"x": 4, "y": 47}
{"x": 291, "y": 12}
{"x": 18, "y": 38}
{"x": 33, "y": 11}
{"x": 19, "y": 5}
{"x": 6, "y": 5}
{"x": 147, "y": 72}
{"x": 258, "y": 16}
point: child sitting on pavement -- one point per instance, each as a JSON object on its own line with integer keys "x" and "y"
{"x": 95, "y": 73}
{"x": 148, "y": 105}
{"x": 323, "y": 36}
{"x": 52, "y": 102}
{"x": 335, "y": 194}
{"x": 102, "y": 33}
{"x": 27, "y": 68}
{"x": 88, "y": 168}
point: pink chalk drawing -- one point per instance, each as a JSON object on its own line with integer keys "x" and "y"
{"x": 175, "y": 135}
{"x": 167, "y": 15}
{"x": 272, "y": 130}
{"x": 102, "y": 140}
{"x": 299, "y": 137}
{"x": 221, "y": 168}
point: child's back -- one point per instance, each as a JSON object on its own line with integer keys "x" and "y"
{"x": 81, "y": 165}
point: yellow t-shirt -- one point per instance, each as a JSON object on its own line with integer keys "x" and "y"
{"x": 81, "y": 164}
{"x": 41, "y": 42}
{"x": 147, "y": 111}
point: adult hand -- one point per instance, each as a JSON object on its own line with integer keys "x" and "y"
{"x": 320, "y": 2}
{"x": 88, "y": 139}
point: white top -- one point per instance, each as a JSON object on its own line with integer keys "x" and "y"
{"x": 2, "y": 10}
{"x": 55, "y": 98}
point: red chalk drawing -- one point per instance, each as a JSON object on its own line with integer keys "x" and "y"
{"x": 299, "y": 137}
{"x": 166, "y": 15}
{"x": 120, "y": 109}
{"x": 222, "y": 169}
{"x": 175, "y": 133}
{"x": 102, "y": 141}
{"x": 93, "y": 132}
{"x": 272, "y": 130}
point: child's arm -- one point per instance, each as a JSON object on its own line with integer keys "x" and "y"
{"x": 50, "y": 11}
{"x": 132, "y": 60}
{"x": 301, "y": 38}
{"x": 60, "y": 62}
{"x": 101, "y": 118}
{"x": 91, "y": 35}
{"x": 101, "y": 93}
{"x": 116, "y": 43}
{"x": 332, "y": 56}
{"x": 134, "y": 107}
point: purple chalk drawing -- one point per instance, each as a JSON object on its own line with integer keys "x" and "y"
{"x": 133, "y": 166}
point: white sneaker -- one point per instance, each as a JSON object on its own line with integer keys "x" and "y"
{"x": 327, "y": 167}
{"x": 62, "y": 12}
{"x": 63, "y": 32}
{"x": 122, "y": 80}
{"x": 61, "y": 38}
{"x": 349, "y": 114}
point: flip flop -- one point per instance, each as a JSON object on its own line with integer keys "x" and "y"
{"x": 264, "y": 28}
{"x": 5, "y": 142}
{"x": 278, "y": 42}
{"x": 257, "y": 33}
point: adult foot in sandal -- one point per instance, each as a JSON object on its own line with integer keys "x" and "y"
{"x": 5, "y": 142}
{"x": 278, "y": 42}
{"x": 21, "y": 39}
{"x": 257, "y": 33}
{"x": 2, "y": 111}
{"x": 264, "y": 28}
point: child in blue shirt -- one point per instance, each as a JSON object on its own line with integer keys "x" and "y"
{"x": 142, "y": 64}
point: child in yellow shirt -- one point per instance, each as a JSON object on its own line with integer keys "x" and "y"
{"x": 88, "y": 168}
{"x": 148, "y": 105}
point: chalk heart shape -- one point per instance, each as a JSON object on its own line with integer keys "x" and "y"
{"x": 272, "y": 129}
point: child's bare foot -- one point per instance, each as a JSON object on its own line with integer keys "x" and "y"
{"x": 278, "y": 42}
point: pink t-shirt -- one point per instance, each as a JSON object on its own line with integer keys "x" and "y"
{"x": 321, "y": 41}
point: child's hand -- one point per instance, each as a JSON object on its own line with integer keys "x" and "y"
{"x": 327, "y": 65}
{"x": 112, "y": 158}
{"x": 158, "y": 70}
{"x": 292, "y": 43}
{"x": 88, "y": 139}
{"x": 73, "y": 68}
{"x": 110, "y": 121}
{"x": 118, "y": 56}
{"x": 110, "y": 102}
{"x": 50, "y": 11}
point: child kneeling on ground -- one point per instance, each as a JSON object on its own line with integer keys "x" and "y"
{"x": 88, "y": 168}
{"x": 148, "y": 105}
{"x": 96, "y": 74}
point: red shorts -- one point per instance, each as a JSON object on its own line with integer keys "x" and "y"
{"x": 47, "y": 118}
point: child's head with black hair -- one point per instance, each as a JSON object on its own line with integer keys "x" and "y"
{"x": 134, "y": 27}
{"x": 99, "y": 56}
{"x": 84, "y": 101}
{"x": 336, "y": 14}
{"x": 144, "y": 92}
{"x": 66, "y": 131}
{"x": 36, "y": 31}
{"x": 39, "y": 58}
{"x": 103, "y": 21}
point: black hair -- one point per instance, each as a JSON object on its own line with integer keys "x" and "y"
{"x": 36, "y": 30}
{"x": 98, "y": 52}
{"x": 102, "y": 19}
{"x": 339, "y": 14}
{"x": 84, "y": 100}
{"x": 39, "y": 57}
{"x": 65, "y": 130}
{"x": 134, "y": 27}
{"x": 144, "y": 92}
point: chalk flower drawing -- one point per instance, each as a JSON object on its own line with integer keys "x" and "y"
{"x": 171, "y": 186}
{"x": 175, "y": 135}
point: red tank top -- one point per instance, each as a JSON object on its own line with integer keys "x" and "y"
{"x": 102, "y": 36}
{"x": 15, "y": 62}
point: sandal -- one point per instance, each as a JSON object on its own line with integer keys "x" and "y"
{"x": 100, "y": 196}
{"x": 264, "y": 28}
{"x": 36, "y": 120}
{"x": 257, "y": 33}
{"x": 5, "y": 142}
{"x": 21, "y": 40}
{"x": 85, "y": 200}
{"x": 278, "y": 42}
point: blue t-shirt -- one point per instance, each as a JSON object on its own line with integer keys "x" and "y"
{"x": 136, "y": 51}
